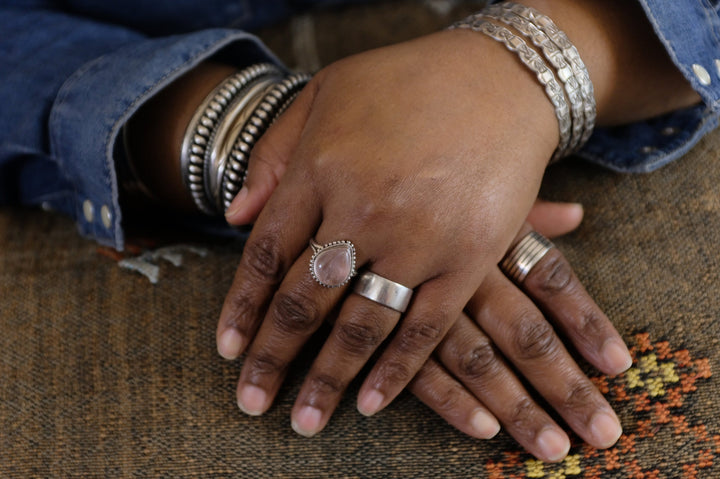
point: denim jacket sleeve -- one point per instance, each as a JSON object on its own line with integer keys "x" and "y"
{"x": 690, "y": 31}
{"x": 69, "y": 83}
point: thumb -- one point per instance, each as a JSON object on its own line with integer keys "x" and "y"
{"x": 554, "y": 219}
{"x": 269, "y": 158}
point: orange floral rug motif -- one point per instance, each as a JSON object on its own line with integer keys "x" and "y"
{"x": 664, "y": 435}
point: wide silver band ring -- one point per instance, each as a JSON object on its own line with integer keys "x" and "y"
{"x": 525, "y": 255}
{"x": 383, "y": 291}
{"x": 332, "y": 264}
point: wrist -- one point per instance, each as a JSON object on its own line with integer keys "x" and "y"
{"x": 633, "y": 76}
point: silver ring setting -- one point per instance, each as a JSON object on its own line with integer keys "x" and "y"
{"x": 525, "y": 255}
{"x": 383, "y": 291}
{"x": 332, "y": 264}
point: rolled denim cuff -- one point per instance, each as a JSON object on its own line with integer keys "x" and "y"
{"x": 94, "y": 103}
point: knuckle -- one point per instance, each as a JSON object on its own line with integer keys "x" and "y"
{"x": 326, "y": 384}
{"x": 448, "y": 400}
{"x": 479, "y": 362}
{"x": 418, "y": 336}
{"x": 592, "y": 323}
{"x": 394, "y": 372}
{"x": 554, "y": 275}
{"x": 241, "y": 308}
{"x": 580, "y": 396}
{"x": 294, "y": 312}
{"x": 263, "y": 260}
{"x": 521, "y": 415}
{"x": 359, "y": 338}
{"x": 264, "y": 364}
{"x": 535, "y": 338}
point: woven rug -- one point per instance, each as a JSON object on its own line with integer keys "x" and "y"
{"x": 107, "y": 375}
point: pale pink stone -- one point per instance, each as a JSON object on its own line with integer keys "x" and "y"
{"x": 333, "y": 265}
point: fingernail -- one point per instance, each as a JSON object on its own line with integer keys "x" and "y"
{"x": 231, "y": 344}
{"x": 605, "y": 429}
{"x": 370, "y": 402}
{"x": 237, "y": 202}
{"x": 251, "y": 400}
{"x": 307, "y": 421}
{"x": 553, "y": 445}
{"x": 484, "y": 424}
{"x": 617, "y": 357}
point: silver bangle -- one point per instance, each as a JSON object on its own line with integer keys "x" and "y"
{"x": 226, "y": 126}
{"x": 555, "y": 57}
{"x": 534, "y": 62}
{"x": 274, "y": 103}
{"x": 572, "y": 57}
{"x": 203, "y": 125}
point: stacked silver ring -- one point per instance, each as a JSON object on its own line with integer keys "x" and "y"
{"x": 226, "y": 126}
{"x": 565, "y": 66}
{"x": 525, "y": 255}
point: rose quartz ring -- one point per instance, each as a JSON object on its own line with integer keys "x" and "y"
{"x": 332, "y": 265}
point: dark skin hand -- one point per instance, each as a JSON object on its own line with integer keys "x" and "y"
{"x": 359, "y": 133}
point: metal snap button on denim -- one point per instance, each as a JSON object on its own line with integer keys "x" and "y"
{"x": 88, "y": 211}
{"x": 106, "y": 216}
{"x": 702, "y": 74}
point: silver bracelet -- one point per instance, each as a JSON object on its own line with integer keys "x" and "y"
{"x": 202, "y": 126}
{"x": 226, "y": 126}
{"x": 534, "y": 62}
{"x": 544, "y": 24}
{"x": 274, "y": 103}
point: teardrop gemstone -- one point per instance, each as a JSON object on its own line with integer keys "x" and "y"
{"x": 334, "y": 265}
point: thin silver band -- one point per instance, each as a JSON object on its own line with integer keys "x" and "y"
{"x": 525, "y": 255}
{"x": 383, "y": 291}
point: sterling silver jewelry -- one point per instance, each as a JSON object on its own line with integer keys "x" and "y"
{"x": 226, "y": 126}
{"x": 525, "y": 255}
{"x": 332, "y": 264}
{"x": 203, "y": 124}
{"x": 383, "y": 291}
{"x": 563, "y": 55}
{"x": 534, "y": 62}
{"x": 272, "y": 105}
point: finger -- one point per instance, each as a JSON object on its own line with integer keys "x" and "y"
{"x": 269, "y": 158}
{"x": 470, "y": 356}
{"x": 433, "y": 311}
{"x": 358, "y": 331}
{"x": 525, "y": 337}
{"x": 555, "y": 288}
{"x": 442, "y": 393}
{"x": 295, "y": 313}
{"x": 553, "y": 219}
{"x": 278, "y": 238}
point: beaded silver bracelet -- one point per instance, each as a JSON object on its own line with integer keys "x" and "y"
{"x": 275, "y": 102}
{"x": 531, "y": 59}
{"x": 202, "y": 126}
{"x": 224, "y": 129}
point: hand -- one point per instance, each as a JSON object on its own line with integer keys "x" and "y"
{"x": 470, "y": 384}
{"x": 433, "y": 212}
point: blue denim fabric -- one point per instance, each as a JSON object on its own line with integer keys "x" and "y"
{"x": 72, "y": 72}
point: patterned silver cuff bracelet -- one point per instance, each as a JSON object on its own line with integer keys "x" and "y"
{"x": 564, "y": 64}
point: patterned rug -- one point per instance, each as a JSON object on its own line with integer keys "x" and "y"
{"x": 105, "y": 374}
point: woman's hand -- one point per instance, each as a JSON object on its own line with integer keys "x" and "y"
{"x": 428, "y": 163}
{"x": 470, "y": 383}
